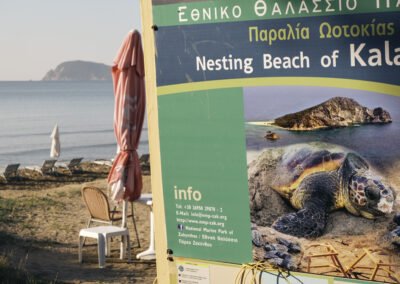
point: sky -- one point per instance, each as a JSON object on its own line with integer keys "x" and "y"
{"x": 36, "y": 36}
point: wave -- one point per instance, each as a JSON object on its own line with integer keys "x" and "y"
{"x": 61, "y": 133}
{"x": 92, "y": 131}
{"x": 88, "y": 131}
{"x": 64, "y": 149}
{"x": 143, "y": 143}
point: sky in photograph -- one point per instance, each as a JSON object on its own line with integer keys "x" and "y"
{"x": 36, "y": 36}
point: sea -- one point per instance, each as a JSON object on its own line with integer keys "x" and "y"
{"x": 83, "y": 112}
{"x": 378, "y": 144}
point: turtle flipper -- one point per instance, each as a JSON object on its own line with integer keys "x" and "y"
{"x": 309, "y": 222}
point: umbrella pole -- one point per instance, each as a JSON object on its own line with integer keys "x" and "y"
{"x": 124, "y": 209}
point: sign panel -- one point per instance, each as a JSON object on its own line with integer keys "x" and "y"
{"x": 279, "y": 122}
{"x": 189, "y": 273}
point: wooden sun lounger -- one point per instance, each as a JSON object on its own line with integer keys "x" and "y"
{"x": 47, "y": 168}
{"x": 10, "y": 171}
{"x": 74, "y": 165}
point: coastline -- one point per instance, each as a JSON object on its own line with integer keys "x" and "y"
{"x": 265, "y": 123}
{"x": 271, "y": 123}
{"x": 31, "y": 178}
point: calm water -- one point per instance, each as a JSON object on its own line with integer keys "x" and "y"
{"x": 380, "y": 144}
{"x": 82, "y": 110}
{"x": 84, "y": 113}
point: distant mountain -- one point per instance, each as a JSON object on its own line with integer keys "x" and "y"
{"x": 79, "y": 71}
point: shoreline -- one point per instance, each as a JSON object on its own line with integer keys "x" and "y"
{"x": 271, "y": 123}
{"x": 32, "y": 178}
{"x": 59, "y": 162}
{"x": 87, "y": 171}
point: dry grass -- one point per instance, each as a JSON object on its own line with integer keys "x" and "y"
{"x": 39, "y": 228}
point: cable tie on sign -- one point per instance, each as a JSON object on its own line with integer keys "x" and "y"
{"x": 170, "y": 253}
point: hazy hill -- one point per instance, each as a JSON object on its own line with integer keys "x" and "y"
{"x": 79, "y": 71}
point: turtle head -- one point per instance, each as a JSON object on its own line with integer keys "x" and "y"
{"x": 367, "y": 193}
{"x": 370, "y": 196}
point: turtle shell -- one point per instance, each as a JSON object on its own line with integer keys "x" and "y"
{"x": 301, "y": 160}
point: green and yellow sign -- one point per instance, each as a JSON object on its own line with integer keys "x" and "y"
{"x": 227, "y": 70}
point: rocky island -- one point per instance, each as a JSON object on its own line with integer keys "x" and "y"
{"x": 79, "y": 71}
{"x": 335, "y": 112}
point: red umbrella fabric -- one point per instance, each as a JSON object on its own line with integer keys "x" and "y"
{"x": 129, "y": 108}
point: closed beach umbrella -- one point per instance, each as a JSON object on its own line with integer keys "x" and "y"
{"x": 125, "y": 176}
{"x": 55, "y": 143}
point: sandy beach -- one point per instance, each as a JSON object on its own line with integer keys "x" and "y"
{"x": 40, "y": 217}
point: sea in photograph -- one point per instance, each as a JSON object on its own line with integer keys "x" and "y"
{"x": 82, "y": 110}
{"x": 379, "y": 144}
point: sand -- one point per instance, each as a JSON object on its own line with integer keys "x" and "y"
{"x": 40, "y": 221}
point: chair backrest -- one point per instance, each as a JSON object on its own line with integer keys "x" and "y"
{"x": 96, "y": 202}
{"x": 11, "y": 170}
{"x": 75, "y": 162}
{"x": 48, "y": 166}
{"x": 145, "y": 158}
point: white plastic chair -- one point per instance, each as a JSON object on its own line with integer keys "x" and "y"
{"x": 101, "y": 234}
{"x": 98, "y": 206}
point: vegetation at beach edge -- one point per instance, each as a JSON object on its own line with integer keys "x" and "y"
{"x": 12, "y": 275}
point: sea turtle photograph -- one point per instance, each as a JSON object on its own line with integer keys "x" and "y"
{"x": 331, "y": 178}
{"x": 317, "y": 178}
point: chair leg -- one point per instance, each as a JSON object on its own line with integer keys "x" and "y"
{"x": 125, "y": 247}
{"x": 87, "y": 226}
{"x": 134, "y": 225}
{"x": 101, "y": 249}
{"x": 107, "y": 247}
{"x": 81, "y": 241}
{"x": 128, "y": 244}
{"x": 122, "y": 247}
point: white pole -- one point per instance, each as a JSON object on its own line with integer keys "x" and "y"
{"x": 124, "y": 208}
{"x": 150, "y": 252}
{"x": 151, "y": 246}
